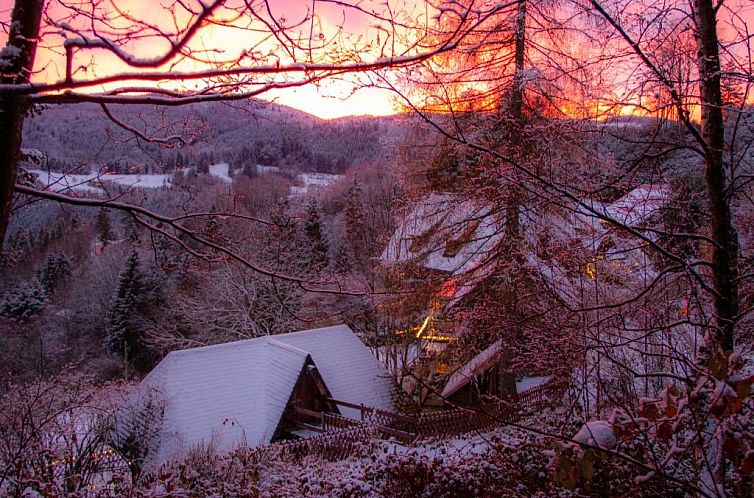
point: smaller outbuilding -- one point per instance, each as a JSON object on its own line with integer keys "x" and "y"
{"x": 483, "y": 375}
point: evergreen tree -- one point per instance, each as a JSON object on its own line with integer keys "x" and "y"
{"x": 19, "y": 245}
{"x": 202, "y": 166}
{"x": 131, "y": 228}
{"x": 342, "y": 261}
{"x": 282, "y": 242}
{"x": 55, "y": 270}
{"x": 123, "y": 335}
{"x": 213, "y": 230}
{"x": 250, "y": 170}
{"x": 104, "y": 227}
{"x": 313, "y": 231}
{"x": 27, "y": 300}
{"x": 355, "y": 226}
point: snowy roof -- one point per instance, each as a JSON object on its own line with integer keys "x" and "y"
{"x": 639, "y": 204}
{"x": 446, "y": 233}
{"x": 235, "y": 393}
{"x": 313, "y": 180}
{"x": 634, "y": 208}
{"x": 350, "y": 370}
{"x": 474, "y": 367}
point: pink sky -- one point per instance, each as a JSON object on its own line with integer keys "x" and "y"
{"x": 327, "y": 100}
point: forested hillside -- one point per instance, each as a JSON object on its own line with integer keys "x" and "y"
{"x": 241, "y": 134}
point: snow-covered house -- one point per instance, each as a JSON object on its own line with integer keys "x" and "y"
{"x": 252, "y": 392}
{"x": 608, "y": 251}
{"x": 460, "y": 239}
{"x": 450, "y": 237}
{"x": 445, "y": 233}
{"x": 485, "y": 375}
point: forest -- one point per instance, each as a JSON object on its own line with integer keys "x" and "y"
{"x": 533, "y": 276}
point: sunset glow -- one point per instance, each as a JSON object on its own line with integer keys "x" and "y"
{"x": 231, "y": 40}
{"x": 228, "y": 43}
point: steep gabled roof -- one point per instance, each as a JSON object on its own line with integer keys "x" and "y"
{"x": 225, "y": 395}
{"x": 235, "y": 393}
{"x": 638, "y": 205}
{"x": 352, "y": 373}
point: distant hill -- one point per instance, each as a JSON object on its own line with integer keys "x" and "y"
{"x": 242, "y": 133}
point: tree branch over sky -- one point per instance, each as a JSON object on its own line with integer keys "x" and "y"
{"x": 190, "y": 52}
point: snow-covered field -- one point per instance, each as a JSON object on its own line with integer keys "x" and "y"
{"x": 220, "y": 170}
{"x": 93, "y": 182}
{"x": 313, "y": 180}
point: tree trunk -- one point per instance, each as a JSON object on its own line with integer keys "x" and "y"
{"x": 517, "y": 141}
{"x": 725, "y": 252}
{"x": 516, "y": 136}
{"x": 517, "y": 97}
{"x": 19, "y": 62}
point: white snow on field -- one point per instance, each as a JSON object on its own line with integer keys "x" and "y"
{"x": 221, "y": 171}
{"x": 92, "y": 182}
{"x": 313, "y": 180}
{"x": 139, "y": 181}
{"x": 267, "y": 170}
{"x": 61, "y": 182}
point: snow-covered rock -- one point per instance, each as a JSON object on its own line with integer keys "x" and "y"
{"x": 597, "y": 433}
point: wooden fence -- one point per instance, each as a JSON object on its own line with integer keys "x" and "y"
{"x": 342, "y": 435}
{"x": 335, "y": 445}
{"x": 463, "y": 420}
{"x": 546, "y": 392}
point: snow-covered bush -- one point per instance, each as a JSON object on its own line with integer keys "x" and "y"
{"x": 695, "y": 438}
{"x": 24, "y": 302}
{"x": 51, "y": 437}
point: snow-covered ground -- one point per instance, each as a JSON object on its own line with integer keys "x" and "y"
{"x": 221, "y": 171}
{"x": 92, "y": 182}
{"x": 267, "y": 170}
{"x": 313, "y": 180}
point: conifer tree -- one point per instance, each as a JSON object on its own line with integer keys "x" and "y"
{"x": 104, "y": 227}
{"x": 123, "y": 336}
{"x": 313, "y": 231}
{"x": 55, "y": 270}
{"x": 131, "y": 229}
{"x": 342, "y": 261}
{"x": 213, "y": 231}
{"x": 18, "y": 246}
{"x": 355, "y": 225}
{"x": 283, "y": 243}
{"x": 25, "y": 301}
